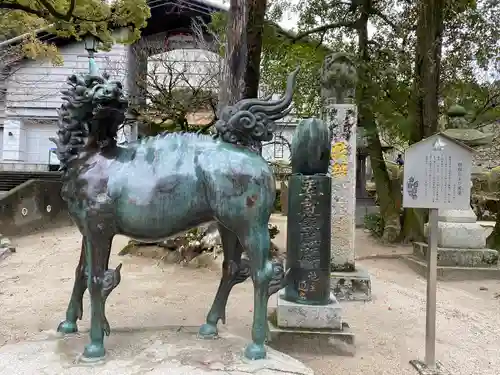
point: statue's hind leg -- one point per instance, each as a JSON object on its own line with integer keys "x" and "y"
{"x": 235, "y": 270}
{"x": 257, "y": 244}
{"x": 74, "y": 311}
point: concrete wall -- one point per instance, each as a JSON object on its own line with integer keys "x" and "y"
{"x": 38, "y": 145}
{"x": 34, "y": 205}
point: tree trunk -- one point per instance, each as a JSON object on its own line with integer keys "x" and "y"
{"x": 241, "y": 70}
{"x": 493, "y": 240}
{"x": 427, "y": 68}
{"x": 426, "y": 94}
{"x": 388, "y": 209}
{"x": 255, "y": 29}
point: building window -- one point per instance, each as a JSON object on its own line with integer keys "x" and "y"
{"x": 279, "y": 146}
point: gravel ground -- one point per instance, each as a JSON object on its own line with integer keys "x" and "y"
{"x": 36, "y": 281}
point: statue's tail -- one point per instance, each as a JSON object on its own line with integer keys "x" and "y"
{"x": 252, "y": 121}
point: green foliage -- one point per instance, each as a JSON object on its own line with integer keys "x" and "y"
{"x": 280, "y": 56}
{"x": 70, "y": 18}
{"x": 375, "y": 224}
{"x": 79, "y": 17}
{"x": 480, "y": 99}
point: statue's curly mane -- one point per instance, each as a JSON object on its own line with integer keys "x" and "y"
{"x": 250, "y": 122}
{"x": 93, "y": 107}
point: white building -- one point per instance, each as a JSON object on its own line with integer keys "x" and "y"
{"x": 31, "y": 97}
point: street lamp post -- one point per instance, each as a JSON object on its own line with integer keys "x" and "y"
{"x": 91, "y": 47}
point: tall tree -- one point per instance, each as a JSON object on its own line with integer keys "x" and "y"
{"x": 351, "y": 19}
{"x": 241, "y": 72}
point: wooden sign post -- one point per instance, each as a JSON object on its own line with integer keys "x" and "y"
{"x": 436, "y": 176}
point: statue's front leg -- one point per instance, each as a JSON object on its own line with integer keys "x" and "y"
{"x": 75, "y": 306}
{"x": 97, "y": 256}
{"x": 257, "y": 245}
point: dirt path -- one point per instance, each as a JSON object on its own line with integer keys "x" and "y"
{"x": 35, "y": 284}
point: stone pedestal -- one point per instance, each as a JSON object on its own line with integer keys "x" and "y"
{"x": 460, "y": 229}
{"x": 320, "y": 321}
{"x": 462, "y": 252}
{"x": 297, "y": 315}
{"x": 351, "y": 286}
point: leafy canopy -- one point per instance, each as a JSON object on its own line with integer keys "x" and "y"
{"x": 280, "y": 56}
{"x": 69, "y": 18}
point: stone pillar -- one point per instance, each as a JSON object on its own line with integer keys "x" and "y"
{"x": 342, "y": 119}
{"x": 14, "y": 141}
{"x": 136, "y": 83}
{"x": 340, "y": 113}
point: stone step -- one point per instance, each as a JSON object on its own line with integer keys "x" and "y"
{"x": 446, "y": 273}
{"x": 452, "y": 257}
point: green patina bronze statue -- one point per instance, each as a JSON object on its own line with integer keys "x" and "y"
{"x": 158, "y": 186}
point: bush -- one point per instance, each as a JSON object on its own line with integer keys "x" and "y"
{"x": 375, "y": 224}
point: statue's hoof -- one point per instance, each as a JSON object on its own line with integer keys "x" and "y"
{"x": 94, "y": 351}
{"x": 254, "y": 351}
{"x": 67, "y": 327}
{"x": 208, "y": 331}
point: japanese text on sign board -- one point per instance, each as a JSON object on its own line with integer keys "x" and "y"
{"x": 439, "y": 182}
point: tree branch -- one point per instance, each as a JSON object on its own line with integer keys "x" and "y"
{"x": 54, "y": 13}
{"x": 324, "y": 29}
{"x": 385, "y": 19}
{"x": 24, "y": 8}
{"x": 49, "y": 11}
{"x": 489, "y": 104}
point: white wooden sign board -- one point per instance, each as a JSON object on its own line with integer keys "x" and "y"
{"x": 437, "y": 174}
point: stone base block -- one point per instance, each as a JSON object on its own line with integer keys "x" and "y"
{"x": 446, "y": 273}
{"x": 461, "y": 235}
{"x": 317, "y": 341}
{"x": 351, "y": 286}
{"x": 451, "y": 257}
{"x": 296, "y": 315}
{"x": 423, "y": 369}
